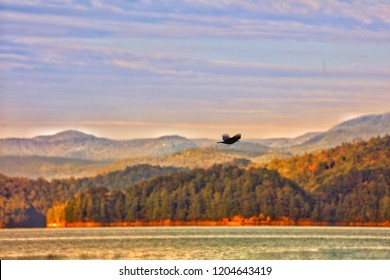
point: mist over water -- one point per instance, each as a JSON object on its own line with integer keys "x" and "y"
{"x": 200, "y": 243}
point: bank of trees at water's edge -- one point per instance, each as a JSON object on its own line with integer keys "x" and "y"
{"x": 346, "y": 184}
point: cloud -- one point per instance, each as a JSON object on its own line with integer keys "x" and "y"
{"x": 150, "y": 67}
{"x": 107, "y": 123}
{"x": 358, "y": 10}
{"x": 243, "y": 19}
{"x": 15, "y": 65}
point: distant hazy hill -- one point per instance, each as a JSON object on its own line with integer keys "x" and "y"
{"x": 190, "y": 158}
{"x": 362, "y": 128}
{"x": 76, "y": 154}
{"x": 73, "y": 153}
{"x": 75, "y": 144}
{"x": 49, "y": 167}
{"x": 286, "y": 142}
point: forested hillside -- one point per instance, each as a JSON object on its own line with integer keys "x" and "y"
{"x": 349, "y": 184}
{"x": 212, "y": 194}
{"x": 312, "y": 170}
{"x": 24, "y": 202}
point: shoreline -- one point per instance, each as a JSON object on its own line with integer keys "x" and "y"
{"x": 235, "y": 221}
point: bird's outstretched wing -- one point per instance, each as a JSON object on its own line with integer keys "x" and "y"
{"x": 237, "y": 136}
{"x": 230, "y": 140}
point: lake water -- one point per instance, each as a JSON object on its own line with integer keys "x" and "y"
{"x": 199, "y": 243}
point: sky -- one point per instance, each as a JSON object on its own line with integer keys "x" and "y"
{"x": 195, "y": 68}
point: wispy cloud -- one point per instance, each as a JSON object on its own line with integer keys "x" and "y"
{"x": 363, "y": 11}
{"x": 147, "y": 64}
{"x": 239, "y": 19}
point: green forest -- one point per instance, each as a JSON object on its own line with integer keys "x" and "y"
{"x": 24, "y": 202}
{"x": 349, "y": 183}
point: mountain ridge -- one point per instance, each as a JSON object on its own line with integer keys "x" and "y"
{"x": 76, "y": 144}
{"x": 66, "y": 135}
{"x": 45, "y": 156}
{"x": 360, "y": 128}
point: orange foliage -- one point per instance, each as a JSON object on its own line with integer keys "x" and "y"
{"x": 313, "y": 167}
{"x": 235, "y": 221}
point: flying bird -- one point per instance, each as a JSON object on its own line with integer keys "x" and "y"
{"x": 230, "y": 140}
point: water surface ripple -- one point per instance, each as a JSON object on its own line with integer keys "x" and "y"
{"x": 159, "y": 243}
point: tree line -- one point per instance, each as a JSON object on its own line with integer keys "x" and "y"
{"x": 24, "y": 202}
{"x": 212, "y": 194}
{"x": 349, "y": 183}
